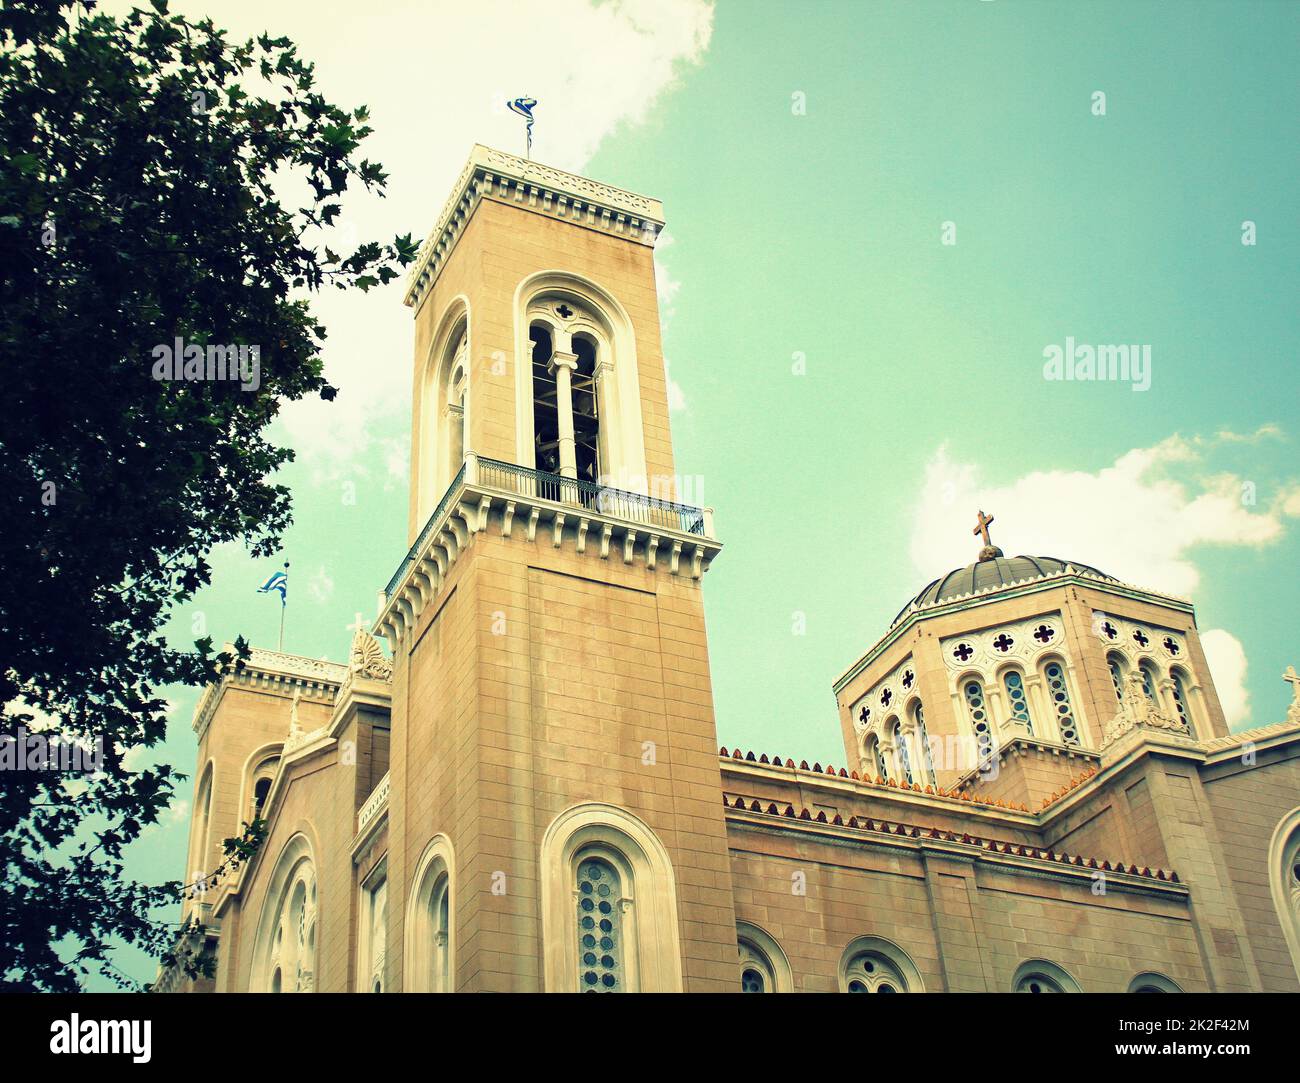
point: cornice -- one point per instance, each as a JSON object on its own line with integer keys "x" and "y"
{"x": 1069, "y": 576}
{"x": 275, "y": 672}
{"x": 494, "y": 174}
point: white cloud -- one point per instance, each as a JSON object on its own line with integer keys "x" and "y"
{"x": 1227, "y": 661}
{"x": 1138, "y": 519}
{"x": 441, "y": 86}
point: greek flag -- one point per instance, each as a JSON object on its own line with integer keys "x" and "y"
{"x": 278, "y": 582}
{"x": 524, "y": 107}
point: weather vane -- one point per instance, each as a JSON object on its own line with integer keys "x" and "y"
{"x": 524, "y": 107}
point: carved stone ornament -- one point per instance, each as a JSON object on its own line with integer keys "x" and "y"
{"x": 368, "y": 658}
{"x": 1136, "y": 711}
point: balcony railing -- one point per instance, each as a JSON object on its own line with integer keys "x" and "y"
{"x": 538, "y": 484}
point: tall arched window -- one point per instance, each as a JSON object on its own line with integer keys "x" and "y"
{"x": 567, "y": 343}
{"x": 1182, "y": 699}
{"x": 1058, "y": 689}
{"x": 872, "y": 964}
{"x": 763, "y": 965}
{"x": 977, "y": 710}
{"x": 1149, "y": 679}
{"x": 1118, "y": 671}
{"x": 877, "y": 755}
{"x": 284, "y": 952}
{"x": 923, "y": 738}
{"x": 445, "y": 406}
{"x": 200, "y": 841}
{"x": 258, "y": 782}
{"x": 904, "y": 756}
{"x": 601, "y": 905}
{"x": 1040, "y": 976}
{"x": 429, "y": 944}
{"x": 373, "y": 941}
{"x": 1017, "y": 701}
{"x": 457, "y": 388}
{"x": 609, "y": 904}
{"x": 1284, "y": 880}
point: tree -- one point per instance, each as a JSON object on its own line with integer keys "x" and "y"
{"x": 141, "y": 215}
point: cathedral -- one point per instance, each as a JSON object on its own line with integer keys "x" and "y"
{"x": 522, "y": 789}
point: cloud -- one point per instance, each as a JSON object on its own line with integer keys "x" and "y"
{"x": 595, "y": 68}
{"x": 1227, "y": 661}
{"x": 1139, "y": 519}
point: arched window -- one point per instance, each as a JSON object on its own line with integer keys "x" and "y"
{"x": 456, "y": 390}
{"x": 546, "y": 418}
{"x": 429, "y": 947}
{"x": 609, "y": 904}
{"x": 601, "y": 905}
{"x": 1152, "y": 983}
{"x": 259, "y": 780}
{"x": 1118, "y": 670}
{"x": 977, "y": 709}
{"x": 1182, "y": 698}
{"x": 566, "y": 363}
{"x": 445, "y": 405}
{"x": 872, "y": 964}
{"x": 372, "y": 943}
{"x": 923, "y": 738}
{"x": 904, "y": 756}
{"x": 1040, "y": 976}
{"x": 200, "y": 841}
{"x": 1058, "y": 689}
{"x": 1014, "y": 684}
{"x": 876, "y": 754}
{"x": 284, "y": 952}
{"x": 763, "y": 965}
{"x": 1284, "y": 880}
{"x": 1149, "y": 680}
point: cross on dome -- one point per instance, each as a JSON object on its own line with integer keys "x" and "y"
{"x": 982, "y": 524}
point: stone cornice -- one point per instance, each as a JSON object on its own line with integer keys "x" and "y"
{"x": 1071, "y": 576}
{"x": 494, "y": 174}
{"x": 468, "y": 509}
{"x": 276, "y": 672}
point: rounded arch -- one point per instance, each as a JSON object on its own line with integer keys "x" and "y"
{"x": 875, "y": 755}
{"x": 284, "y": 960}
{"x": 201, "y": 827}
{"x": 758, "y": 941}
{"x": 1063, "y": 706}
{"x": 623, "y": 446}
{"x": 1284, "y": 880}
{"x": 649, "y": 907}
{"x": 1186, "y": 694}
{"x": 1118, "y": 666}
{"x": 435, "y": 433}
{"x": 1151, "y": 982}
{"x": 429, "y": 954}
{"x": 1041, "y": 976}
{"x": 262, "y": 763}
{"x": 862, "y": 961}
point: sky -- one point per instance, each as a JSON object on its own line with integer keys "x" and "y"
{"x": 882, "y": 219}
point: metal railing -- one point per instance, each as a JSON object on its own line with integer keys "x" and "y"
{"x": 601, "y": 499}
{"x": 420, "y": 542}
{"x": 617, "y": 503}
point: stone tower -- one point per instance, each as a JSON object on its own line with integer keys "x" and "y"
{"x": 552, "y": 718}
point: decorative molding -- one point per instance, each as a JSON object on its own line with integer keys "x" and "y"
{"x": 287, "y": 675}
{"x": 376, "y": 803}
{"x": 494, "y": 174}
{"x": 466, "y": 511}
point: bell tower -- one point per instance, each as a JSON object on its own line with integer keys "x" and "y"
{"x": 553, "y": 729}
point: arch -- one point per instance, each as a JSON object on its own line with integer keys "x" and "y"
{"x": 623, "y": 462}
{"x": 430, "y": 952}
{"x": 1184, "y": 695}
{"x": 916, "y": 712}
{"x": 653, "y": 961}
{"x": 1056, "y": 678}
{"x": 372, "y": 932}
{"x": 978, "y": 716}
{"x": 1040, "y": 976}
{"x": 201, "y": 829}
{"x": 1117, "y": 664}
{"x": 261, "y": 765}
{"x": 1284, "y": 880}
{"x": 876, "y": 965}
{"x": 1151, "y": 982}
{"x": 761, "y": 951}
{"x": 1012, "y": 680}
{"x": 435, "y": 441}
{"x": 1150, "y": 681}
{"x": 876, "y": 755}
{"x": 902, "y": 754}
{"x": 284, "y": 945}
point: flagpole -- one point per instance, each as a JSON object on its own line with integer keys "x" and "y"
{"x": 283, "y": 606}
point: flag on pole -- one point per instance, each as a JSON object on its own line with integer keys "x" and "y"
{"x": 279, "y": 582}
{"x": 524, "y": 107}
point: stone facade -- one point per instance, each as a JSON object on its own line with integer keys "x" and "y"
{"x": 1039, "y": 790}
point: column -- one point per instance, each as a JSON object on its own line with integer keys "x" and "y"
{"x": 563, "y": 362}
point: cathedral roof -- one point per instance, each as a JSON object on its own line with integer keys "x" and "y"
{"x": 991, "y": 573}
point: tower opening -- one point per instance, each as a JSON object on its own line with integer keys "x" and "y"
{"x": 546, "y": 421}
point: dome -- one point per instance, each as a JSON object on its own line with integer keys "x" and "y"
{"x": 989, "y": 574}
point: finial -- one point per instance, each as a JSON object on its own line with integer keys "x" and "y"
{"x": 989, "y": 551}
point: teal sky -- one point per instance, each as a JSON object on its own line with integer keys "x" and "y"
{"x": 820, "y": 235}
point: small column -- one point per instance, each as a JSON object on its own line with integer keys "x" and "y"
{"x": 562, "y": 364}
